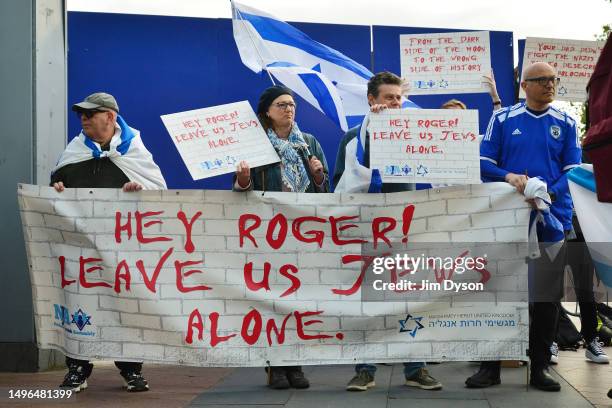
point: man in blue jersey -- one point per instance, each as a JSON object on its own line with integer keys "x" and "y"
{"x": 384, "y": 92}
{"x": 533, "y": 139}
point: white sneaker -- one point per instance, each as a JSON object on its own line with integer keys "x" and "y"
{"x": 595, "y": 353}
{"x": 554, "y": 353}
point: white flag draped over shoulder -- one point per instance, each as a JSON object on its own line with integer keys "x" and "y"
{"x": 357, "y": 178}
{"x": 595, "y": 220}
{"x": 329, "y": 80}
{"x": 126, "y": 151}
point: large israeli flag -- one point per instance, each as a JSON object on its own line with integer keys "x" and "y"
{"x": 595, "y": 220}
{"x": 329, "y": 80}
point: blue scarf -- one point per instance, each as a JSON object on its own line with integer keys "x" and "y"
{"x": 294, "y": 174}
{"x": 126, "y": 138}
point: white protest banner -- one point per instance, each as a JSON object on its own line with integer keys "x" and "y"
{"x": 220, "y": 278}
{"x": 444, "y": 63}
{"x": 425, "y": 146}
{"x": 212, "y": 141}
{"x": 574, "y": 61}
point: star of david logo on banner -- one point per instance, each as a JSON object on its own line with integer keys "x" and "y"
{"x": 81, "y": 319}
{"x": 411, "y": 325}
{"x": 422, "y": 170}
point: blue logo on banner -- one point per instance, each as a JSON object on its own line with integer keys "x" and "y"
{"x": 81, "y": 319}
{"x": 411, "y": 325}
{"x": 64, "y": 319}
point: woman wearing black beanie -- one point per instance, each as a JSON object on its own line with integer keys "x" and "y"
{"x": 302, "y": 168}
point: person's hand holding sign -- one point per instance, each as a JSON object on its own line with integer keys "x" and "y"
{"x": 489, "y": 81}
{"x": 377, "y": 108}
{"x": 243, "y": 174}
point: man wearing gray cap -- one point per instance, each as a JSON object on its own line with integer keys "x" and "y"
{"x": 106, "y": 154}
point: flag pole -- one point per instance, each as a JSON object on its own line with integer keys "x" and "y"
{"x": 239, "y": 15}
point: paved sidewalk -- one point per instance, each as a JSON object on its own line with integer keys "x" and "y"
{"x": 591, "y": 380}
{"x": 171, "y": 387}
{"x": 177, "y": 387}
{"x": 328, "y": 382}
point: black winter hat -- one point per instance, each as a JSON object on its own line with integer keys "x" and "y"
{"x": 269, "y": 95}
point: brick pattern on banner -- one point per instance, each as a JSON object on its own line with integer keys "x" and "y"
{"x": 574, "y": 61}
{"x": 445, "y": 63}
{"x": 425, "y": 146}
{"x": 212, "y": 141}
{"x": 166, "y": 276}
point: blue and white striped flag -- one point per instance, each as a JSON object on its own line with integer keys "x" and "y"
{"x": 329, "y": 80}
{"x": 595, "y": 220}
{"x": 357, "y": 178}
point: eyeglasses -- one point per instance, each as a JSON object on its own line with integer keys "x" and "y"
{"x": 285, "y": 105}
{"x": 543, "y": 81}
{"x": 88, "y": 113}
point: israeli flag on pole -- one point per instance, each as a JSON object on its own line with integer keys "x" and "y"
{"x": 329, "y": 80}
{"x": 314, "y": 87}
{"x": 595, "y": 220}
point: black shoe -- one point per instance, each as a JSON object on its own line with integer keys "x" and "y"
{"x": 134, "y": 381}
{"x": 76, "y": 377}
{"x": 542, "y": 380}
{"x": 610, "y": 393}
{"x": 296, "y": 378}
{"x": 487, "y": 376}
{"x": 277, "y": 378}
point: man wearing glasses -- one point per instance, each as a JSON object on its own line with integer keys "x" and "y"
{"x": 106, "y": 154}
{"x": 534, "y": 139}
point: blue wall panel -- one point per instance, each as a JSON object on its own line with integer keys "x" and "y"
{"x": 521, "y": 51}
{"x": 387, "y": 57}
{"x": 158, "y": 65}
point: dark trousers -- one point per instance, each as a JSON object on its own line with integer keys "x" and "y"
{"x": 545, "y": 291}
{"x": 542, "y": 331}
{"x": 124, "y": 366}
{"x": 579, "y": 259}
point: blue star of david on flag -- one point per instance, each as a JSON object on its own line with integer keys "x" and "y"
{"x": 81, "y": 319}
{"x": 412, "y": 331}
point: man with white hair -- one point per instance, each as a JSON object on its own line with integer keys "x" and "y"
{"x": 534, "y": 139}
{"x": 106, "y": 154}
